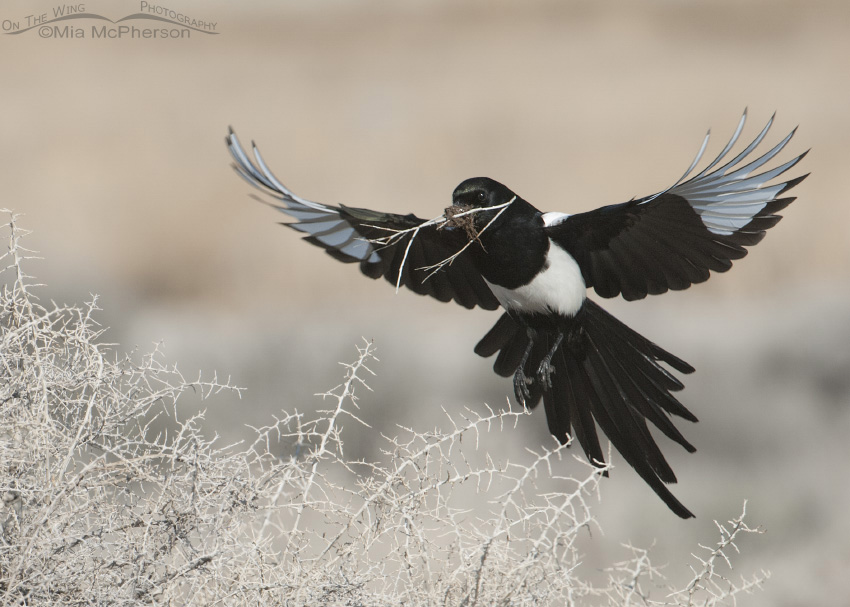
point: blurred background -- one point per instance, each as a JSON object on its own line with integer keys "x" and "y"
{"x": 114, "y": 151}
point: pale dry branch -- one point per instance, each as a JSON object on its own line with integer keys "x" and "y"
{"x": 111, "y": 494}
{"x": 710, "y": 585}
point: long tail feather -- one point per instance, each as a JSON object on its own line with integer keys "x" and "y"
{"x": 603, "y": 374}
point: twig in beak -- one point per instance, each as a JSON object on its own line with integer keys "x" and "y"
{"x": 440, "y": 222}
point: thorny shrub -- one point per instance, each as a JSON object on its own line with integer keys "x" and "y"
{"x": 100, "y": 506}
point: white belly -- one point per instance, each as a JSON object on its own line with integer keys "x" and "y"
{"x": 559, "y": 288}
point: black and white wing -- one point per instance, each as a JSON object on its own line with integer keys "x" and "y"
{"x": 674, "y": 239}
{"x": 375, "y": 240}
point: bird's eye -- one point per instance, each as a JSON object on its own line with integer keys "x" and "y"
{"x": 482, "y": 196}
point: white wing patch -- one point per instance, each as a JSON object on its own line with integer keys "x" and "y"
{"x": 559, "y": 288}
{"x": 554, "y": 218}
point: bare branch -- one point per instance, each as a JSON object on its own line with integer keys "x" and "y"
{"x": 110, "y": 493}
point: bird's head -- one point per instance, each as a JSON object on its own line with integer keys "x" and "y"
{"x": 479, "y": 193}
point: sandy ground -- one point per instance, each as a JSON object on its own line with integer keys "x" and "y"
{"x": 114, "y": 151}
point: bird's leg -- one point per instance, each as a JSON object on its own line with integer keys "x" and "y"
{"x": 521, "y": 382}
{"x": 545, "y": 370}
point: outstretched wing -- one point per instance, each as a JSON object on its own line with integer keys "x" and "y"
{"x": 674, "y": 239}
{"x": 377, "y": 241}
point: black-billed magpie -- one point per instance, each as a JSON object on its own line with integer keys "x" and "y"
{"x": 491, "y": 248}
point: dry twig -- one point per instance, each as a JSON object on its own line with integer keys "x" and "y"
{"x": 111, "y": 495}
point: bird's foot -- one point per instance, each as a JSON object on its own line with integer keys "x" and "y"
{"x": 521, "y": 381}
{"x": 521, "y": 384}
{"x": 545, "y": 370}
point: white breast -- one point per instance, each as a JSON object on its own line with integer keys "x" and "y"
{"x": 559, "y": 288}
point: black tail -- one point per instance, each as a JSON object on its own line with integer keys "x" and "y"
{"x": 603, "y": 372}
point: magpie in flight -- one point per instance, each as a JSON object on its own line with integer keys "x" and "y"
{"x": 491, "y": 248}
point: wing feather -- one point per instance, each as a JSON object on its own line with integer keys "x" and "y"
{"x": 354, "y": 235}
{"x": 677, "y": 237}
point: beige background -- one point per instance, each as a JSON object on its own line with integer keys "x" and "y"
{"x": 114, "y": 151}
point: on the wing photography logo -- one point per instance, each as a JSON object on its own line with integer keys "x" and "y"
{"x": 74, "y": 21}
